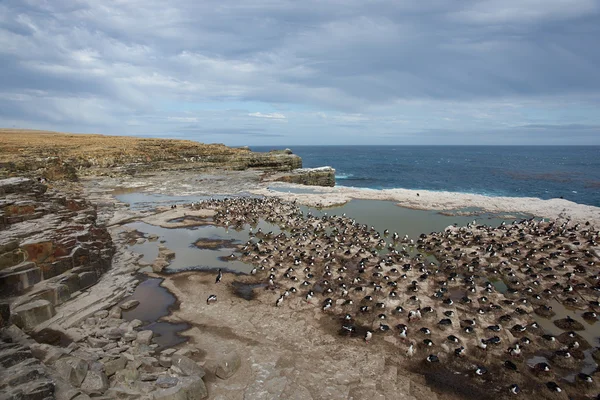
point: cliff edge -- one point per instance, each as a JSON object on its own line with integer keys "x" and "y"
{"x": 58, "y": 156}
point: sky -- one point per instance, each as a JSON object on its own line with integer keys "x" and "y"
{"x": 311, "y": 72}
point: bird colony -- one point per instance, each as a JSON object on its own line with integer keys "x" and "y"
{"x": 469, "y": 301}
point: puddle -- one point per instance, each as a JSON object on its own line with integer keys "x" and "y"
{"x": 166, "y": 334}
{"x": 138, "y": 201}
{"x": 382, "y": 215}
{"x": 499, "y": 285}
{"x": 590, "y": 333}
{"x": 189, "y": 256}
{"x": 155, "y": 303}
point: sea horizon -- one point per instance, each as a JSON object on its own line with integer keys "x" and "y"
{"x": 541, "y": 171}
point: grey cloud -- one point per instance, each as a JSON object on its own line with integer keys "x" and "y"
{"x": 121, "y": 61}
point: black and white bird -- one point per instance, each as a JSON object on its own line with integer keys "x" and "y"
{"x": 279, "y": 301}
{"x": 219, "y": 276}
{"x": 514, "y": 389}
{"x": 211, "y": 299}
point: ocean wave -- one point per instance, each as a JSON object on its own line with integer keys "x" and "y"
{"x": 344, "y": 176}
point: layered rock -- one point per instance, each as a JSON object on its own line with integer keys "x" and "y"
{"x": 50, "y": 248}
{"x": 323, "y": 176}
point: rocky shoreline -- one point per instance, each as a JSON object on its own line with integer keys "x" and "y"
{"x": 64, "y": 270}
{"x": 66, "y": 274}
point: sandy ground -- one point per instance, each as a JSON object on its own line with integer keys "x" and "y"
{"x": 292, "y": 352}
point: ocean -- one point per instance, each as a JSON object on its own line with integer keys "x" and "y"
{"x": 570, "y": 172}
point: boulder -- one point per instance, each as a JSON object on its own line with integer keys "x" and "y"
{"x": 95, "y": 382}
{"x": 87, "y": 279}
{"x": 27, "y": 316}
{"x": 228, "y": 365}
{"x": 46, "y": 353}
{"x": 186, "y": 366}
{"x": 72, "y": 369}
{"x": 187, "y": 388}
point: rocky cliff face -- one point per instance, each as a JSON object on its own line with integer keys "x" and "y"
{"x": 58, "y": 156}
{"x": 50, "y": 248}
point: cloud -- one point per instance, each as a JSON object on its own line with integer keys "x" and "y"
{"x": 329, "y": 72}
{"x": 267, "y": 115}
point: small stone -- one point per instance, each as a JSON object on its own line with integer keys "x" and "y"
{"x": 128, "y": 305}
{"x": 114, "y": 333}
{"x": 112, "y": 366}
{"x": 188, "y": 388}
{"x": 128, "y": 356}
{"x": 115, "y": 312}
{"x": 135, "y": 364}
{"x": 186, "y": 366}
{"x": 46, "y": 353}
{"x": 110, "y": 346}
{"x": 130, "y": 336}
{"x": 149, "y": 361}
{"x": 168, "y": 352}
{"x": 228, "y": 365}
{"x": 71, "y": 347}
{"x": 126, "y": 376}
{"x": 164, "y": 361}
{"x": 122, "y": 392}
{"x": 91, "y": 321}
{"x": 152, "y": 376}
{"x": 97, "y": 342}
{"x": 86, "y": 355}
{"x": 135, "y": 323}
{"x": 101, "y": 314}
{"x": 117, "y": 350}
{"x": 144, "y": 337}
{"x": 166, "y": 381}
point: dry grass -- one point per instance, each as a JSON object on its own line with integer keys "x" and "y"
{"x": 19, "y": 145}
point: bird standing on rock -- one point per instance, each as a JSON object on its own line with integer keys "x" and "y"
{"x": 219, "y": 276}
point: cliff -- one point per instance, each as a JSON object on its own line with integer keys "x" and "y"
{"x": 57, "y": 156}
